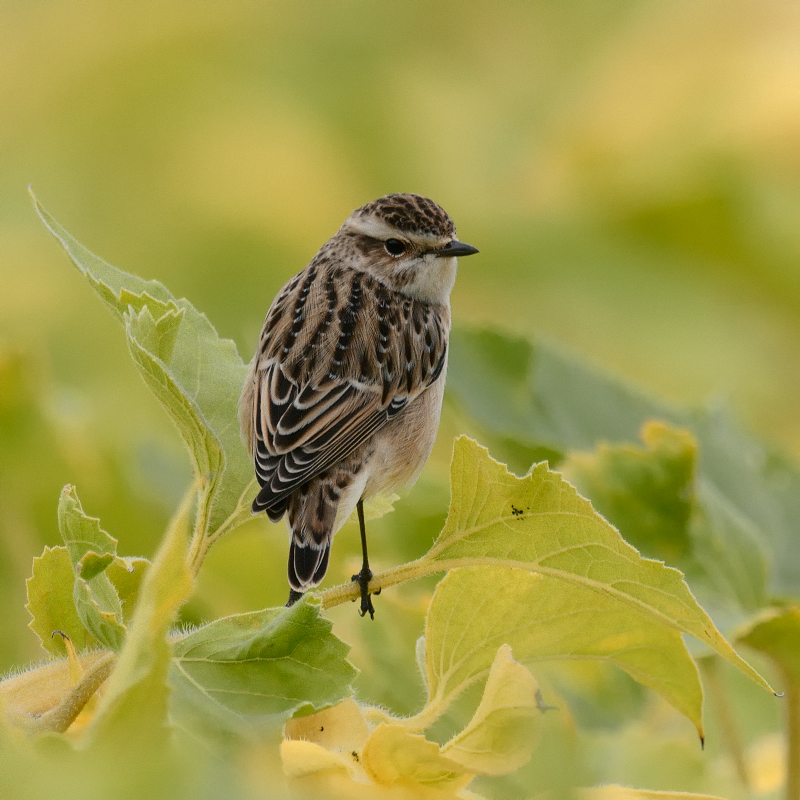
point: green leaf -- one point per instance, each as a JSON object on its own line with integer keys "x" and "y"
{"x": 194, "y": 373}
{"x": 50, "y": 603}
{"x": 115, "y": 287}
{"x": 540, "y": 523}
{"x": 538, "y": 395}
{"x": 501, "y": 734}
{"x": 782, "y": 478}
{"x": 261, "y": 663}
{"x": 91, "y": 565}
{"x": 82, "y": 534}
{"x": 133, "y": 708}
{"x": 95, "y": 598}
{"x": 729, "y": 558}
{"x": 651, "y": 495}
{"x": 761, "y": 488}
{"x": 476, "y": 610}
{"x": 776, "y": 633}
{"x": 646, "y": 492}
{"x": 127, "y": 574}
{"x": 553, "y": 403}
{"x": 205, "y": 449}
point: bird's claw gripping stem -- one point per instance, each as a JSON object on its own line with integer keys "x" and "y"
{"x": 363, "y": 578}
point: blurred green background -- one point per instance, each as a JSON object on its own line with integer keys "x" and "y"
{"x": 630, "y": 171}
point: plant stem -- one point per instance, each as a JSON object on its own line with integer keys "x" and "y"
{"x": 58, "y": 719}
{"x": 729, "y": 728}
{"x": 337, "y": 595}
{"x": 793, "y": 737}
{"x": 199, "y": 545}
{"x": 433, "y": 709}
{"x": 202, "y": 539}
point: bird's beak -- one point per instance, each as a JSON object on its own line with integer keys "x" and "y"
{"x": 455, "y": 248}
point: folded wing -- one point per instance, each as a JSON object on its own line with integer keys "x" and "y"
{"x": 340, "y": 356}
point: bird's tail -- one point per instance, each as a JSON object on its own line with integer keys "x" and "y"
{"x": 308, "y": 564}
{"x": 312, "y": 515}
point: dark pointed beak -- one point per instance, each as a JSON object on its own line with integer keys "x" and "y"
{"x": 455, "y": 248}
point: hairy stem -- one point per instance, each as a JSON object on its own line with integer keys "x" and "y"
{"x": 58, "y": 719}
{"x": 198, "y": 546}
{"x": 202, "y": 539}
{"x": 729, "y": 728}
{"x": 432, "y": 710}
{"x": 337, "y": 595}
{"x": 241, "y": 514}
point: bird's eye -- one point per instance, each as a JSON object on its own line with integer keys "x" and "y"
{"x": 394, "y": 247}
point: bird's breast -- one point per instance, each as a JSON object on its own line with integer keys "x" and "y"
{"x": 403, "y": 445}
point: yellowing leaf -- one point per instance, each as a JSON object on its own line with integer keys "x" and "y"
{"x": 546, "y": 403}
{"x": 32, "y": 694}
{"x": 50, "y": 602}
{"x": 380, "y": 505}
{"x": 331, "y": 739}
{"x": 331, "y": 754}
{"x": 540, "y": 523}
{"x": 301, "y": 758}
{"x": 476, "y": 610}
{"x": 394, "y": 756}
{"x": 340, "y": 727}
{"x": 502, "y": 732}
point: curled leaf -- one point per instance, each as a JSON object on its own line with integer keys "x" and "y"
{"x": 502, "y": 733}
{"x": 394, "y": 756}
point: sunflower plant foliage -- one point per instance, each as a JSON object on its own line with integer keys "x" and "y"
{"x": 532, "y": 577}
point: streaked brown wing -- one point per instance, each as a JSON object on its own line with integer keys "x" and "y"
{"x": 340, "y": 356}
{"x": 315, "y": 437}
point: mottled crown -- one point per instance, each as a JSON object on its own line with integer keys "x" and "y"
{"x": 409, "y": 213}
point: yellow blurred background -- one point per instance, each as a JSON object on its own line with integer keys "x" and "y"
{"x": 630, "y": 171}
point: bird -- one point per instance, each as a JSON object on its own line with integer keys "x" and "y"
{"x": 344, "y": 393}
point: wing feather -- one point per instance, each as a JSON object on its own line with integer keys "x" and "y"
{"x": 340, "y": 355}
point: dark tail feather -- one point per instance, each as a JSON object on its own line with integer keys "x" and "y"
{"x": 308, "y": 564}
{"x": 293, "y": 598}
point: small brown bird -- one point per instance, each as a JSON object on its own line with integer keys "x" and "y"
{"x": 344, "y": 393}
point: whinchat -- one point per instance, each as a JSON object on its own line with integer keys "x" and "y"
{"x": 344, "y": 393}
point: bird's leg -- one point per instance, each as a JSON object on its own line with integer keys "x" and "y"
{"x": 293, "y": 598}
{"x": 365, "y": 576}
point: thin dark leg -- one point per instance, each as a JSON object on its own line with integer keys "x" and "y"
{"x": 365, "y": 576}
{"x": 293, "y": 597}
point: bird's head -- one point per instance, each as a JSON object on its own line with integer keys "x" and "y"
{"x": 408, "y": 242}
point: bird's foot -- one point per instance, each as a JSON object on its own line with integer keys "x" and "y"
{"x": 363, "y": 578}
